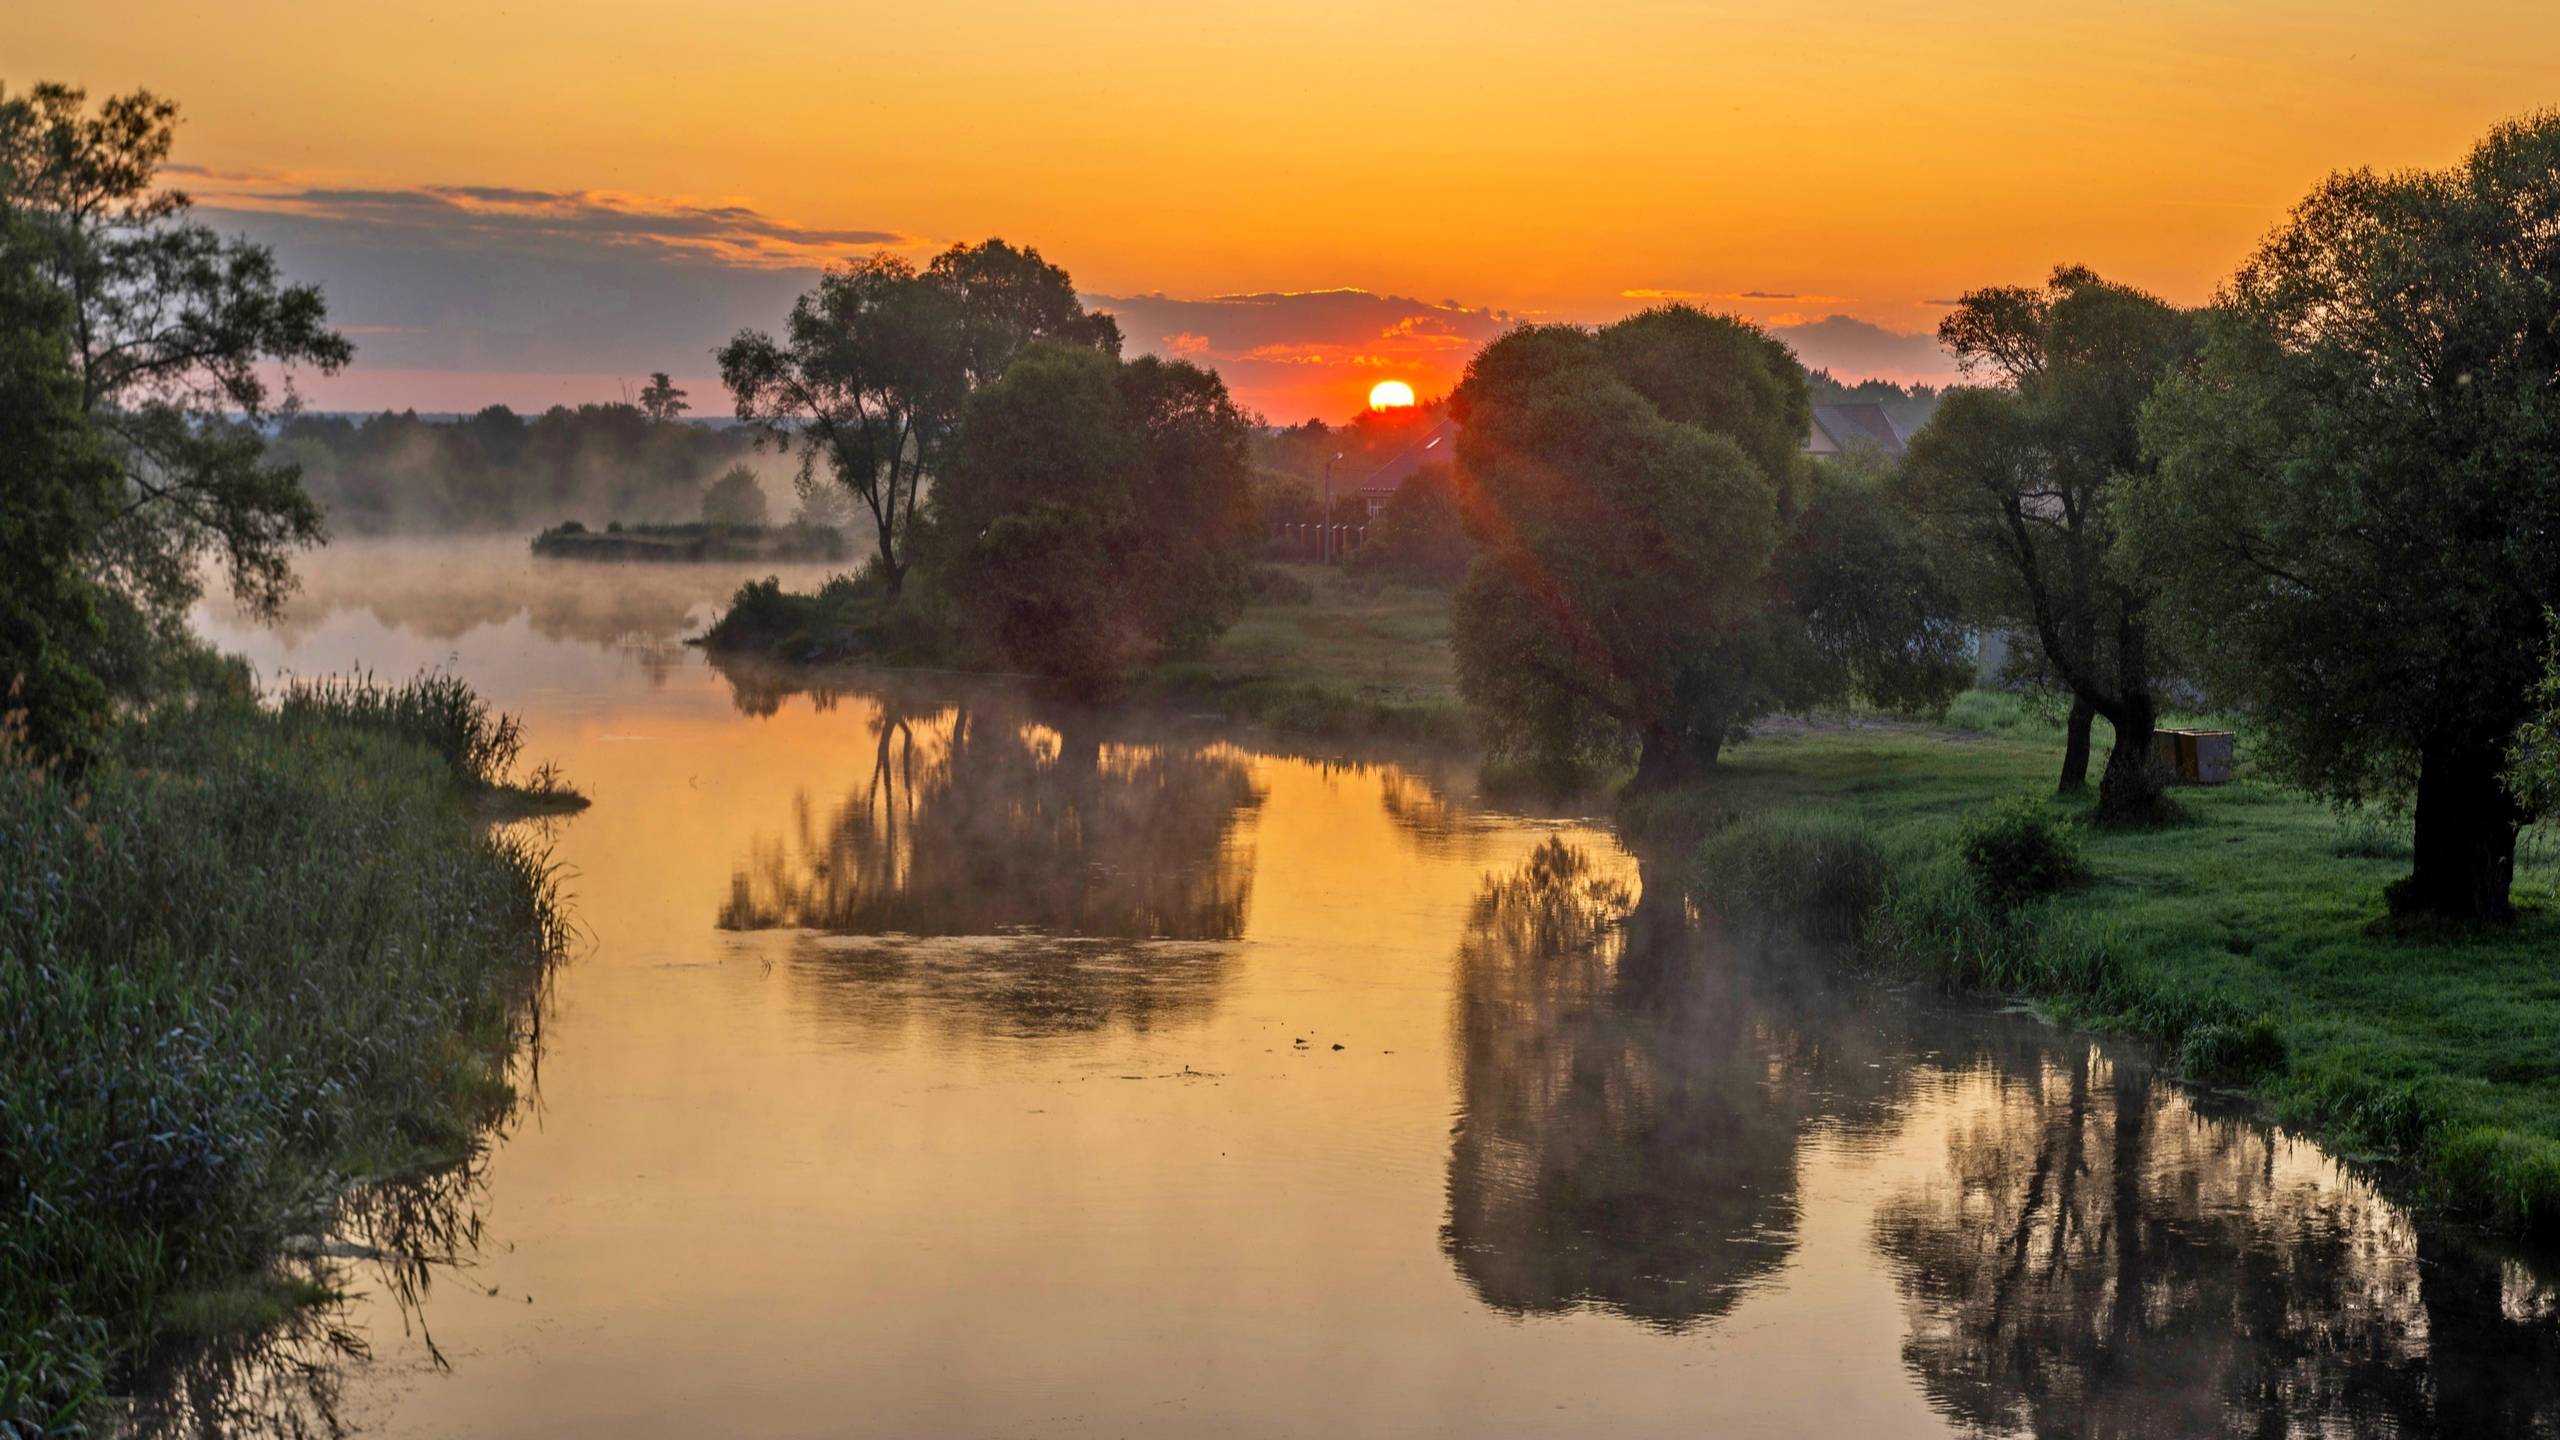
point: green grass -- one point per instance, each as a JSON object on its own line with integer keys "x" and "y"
{"x": 248, "y": 955}
{"x": 1358, "y": 657}
{"x": 2243, "y": 939}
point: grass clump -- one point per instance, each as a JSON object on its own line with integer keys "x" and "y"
{"x": 251, "y": 952}
{"x": 1816, "y": 871}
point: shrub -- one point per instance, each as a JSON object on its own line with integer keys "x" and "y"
{"x": 2227, "y": 1052}
{"x": 1274, "y": 586}
{"x": 2017, "y": 851}
{"x": 735, "y": 500}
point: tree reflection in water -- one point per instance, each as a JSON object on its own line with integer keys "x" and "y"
{"x": 1617, "y": 1144}
{"x": 2096, "y": 1257}
{"x": 1007, "y": 875}
{"x": 2101, "y": 1259}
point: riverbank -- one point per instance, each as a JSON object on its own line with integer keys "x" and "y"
{"x": 255, "y": 951}
{"x": 1317, "y": 652}
{"x": 2244, "y": 940}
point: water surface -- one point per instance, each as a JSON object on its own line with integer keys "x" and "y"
{"x": 936, "y": 1061}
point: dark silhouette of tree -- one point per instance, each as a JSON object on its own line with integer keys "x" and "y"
{"x": 177, "y": 335}
{"x": 660, "y": 400}
{"x": 874, "y": 365}
{"x": 2018, "y": 482}
{"x": 2357, "y": 527}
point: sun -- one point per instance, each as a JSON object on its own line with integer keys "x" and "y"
{"x": 1390, "y": 395}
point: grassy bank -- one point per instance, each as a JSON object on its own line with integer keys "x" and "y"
{"x": 1317, "y": 652}
{"x": 253, "y": 952}
{"x": 2242, "y": 940}
{"x": 1324, "y": 653}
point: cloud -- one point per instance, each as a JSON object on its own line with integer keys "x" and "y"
{"x": 508, "y": 216}
{"x": 1291, "y": 354}
{"x": 1854, "y": 349}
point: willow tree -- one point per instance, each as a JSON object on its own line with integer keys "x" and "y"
{"x": 2016, "y": 478}
{"x": 1656, "y": 566}
{"x": 2357, "y": 521}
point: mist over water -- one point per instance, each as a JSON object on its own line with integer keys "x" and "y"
{"x": 939, "y": 1061}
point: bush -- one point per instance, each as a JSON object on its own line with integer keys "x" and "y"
{"x": 2017, "y": 851}
{"x": 735, "y": 500}
{"x": 1271, "y": 585}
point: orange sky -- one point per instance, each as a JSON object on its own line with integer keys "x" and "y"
{"x": 1509, "y": 160}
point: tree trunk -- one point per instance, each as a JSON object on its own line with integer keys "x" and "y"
{"x": 893, "y": 574}
{"x": 2465, "y": 861}
{"x": 1671, "y": 756}
{"x": 2132, "y": 791}
{"x": 2075, "y": 749}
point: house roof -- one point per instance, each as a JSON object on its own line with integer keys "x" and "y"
{"x": 1841, "y": 428}
{"x": 1430, "y": 447}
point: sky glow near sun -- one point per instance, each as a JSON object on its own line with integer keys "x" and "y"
{"x": 532, "y": 204}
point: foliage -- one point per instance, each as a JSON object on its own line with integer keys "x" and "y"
{"x": 1657, "y": 569}
{"x": 242, "y": 958}
{"x": 2357, "y": 525}
{"x": 2017, "y": 851}
{"x": 868, "y": 381}
{"x": 1096, "y": 512}
{"x": 735, "y": 499}
{"x": 2015, "y": 482}
{"x": 1420, "y": 535}
{"x": 61, "y": 484}
{"x": 178, "y": 335}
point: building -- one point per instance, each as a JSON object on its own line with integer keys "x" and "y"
{"x": 1431, "y": 447}
{"x": 1839, "y": 429}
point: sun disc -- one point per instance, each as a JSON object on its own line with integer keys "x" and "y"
{"x": 1390, "y": 395}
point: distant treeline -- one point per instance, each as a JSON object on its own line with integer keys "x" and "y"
{"x": 498, "y": 470}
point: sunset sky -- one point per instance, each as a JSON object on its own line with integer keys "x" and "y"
{"x": 539, "y": 203}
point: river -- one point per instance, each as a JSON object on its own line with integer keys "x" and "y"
{"x": 934, "y": 1062}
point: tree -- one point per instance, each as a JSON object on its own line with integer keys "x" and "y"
{"x": 1095, "y": 512}
{"x": 2357, "y": 524}
{"x": 1649, "y": 575}
{"x": 877, "y": 361}
{"x": 660, "y": 400}
{"x": 176, "y": 334}
{"x": 61, "y": 488}
{"x": 735, "y": 499}
{"x": 2016, "y": 481}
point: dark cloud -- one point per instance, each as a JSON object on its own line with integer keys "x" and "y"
{"x": 505, "y": 215}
